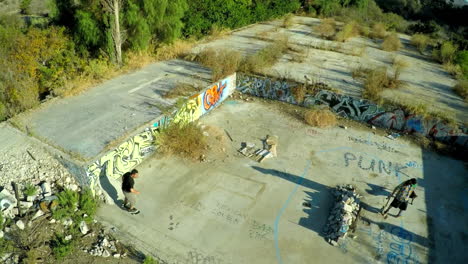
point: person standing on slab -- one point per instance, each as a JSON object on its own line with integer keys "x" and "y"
{"x": 402, "y": 193}
{"x": 129, "y": 191}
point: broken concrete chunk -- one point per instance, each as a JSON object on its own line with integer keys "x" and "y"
{"x": 20, "y": 224}
{"x": 84, "y": 228}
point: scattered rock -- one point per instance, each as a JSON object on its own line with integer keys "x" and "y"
{"x": 1, "y": 234}
{"x": 52, "y": 221}
{"x": 20, "y": 224}
{"x": 38, "y": 214}
{"x": 106, "y": 254}
{"x": 69, "y": 237}
{"x": 116, "y": 255}
{"x": 26, "y": 205}
{"x": 84, "y": 228}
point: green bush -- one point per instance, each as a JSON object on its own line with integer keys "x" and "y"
{"x": 25, "y": 7}
{"x": 150, "y": 260}
{"x": 461, "y": 88}
{"x": 68, "y": 202}
{"x": 30, "y": 189}
{"x": 462, "y": 60}
{"x": 446, "y": 53}
{"x": 88, "y": 204}
{"x": 61, "y": 247}
{"x": 232, "y": 14}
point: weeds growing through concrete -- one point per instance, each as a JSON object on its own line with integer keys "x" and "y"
{"x": 267, "y": 56}
{"x": 182, "y": 89}
{"x": 320, "y": 118}
{"x": 446, "y": 53}
{"x": 420, "y": 41}
{"x": 349, "y": 30}
{"x": 222, "y": 62}
{"x": 461, "y": 88}
{"x": 454, "y": 69}
{"x": 327, "y": 28}
{"x": 379, "y": 31}
{"x": 375, "y": 81}
{"x": 392, "y": 42}
{"x": 186, "y": 141}
{"x": 288, "y": 20}
{"x": 399, "y": 63}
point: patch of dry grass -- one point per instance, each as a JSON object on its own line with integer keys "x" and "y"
{"x": 375, "y": 81}
{"x": 263, "y": 35}
{"x": 350, "y": 30}
{"x": 186, "y": 141}
{"x": 379, "y": 31}
{"x": 217, "y": 31}
{"x": 327, "y": 28}
{"x": 320, "y": 118}
{"x": 461, "y": 88}
{"x": 288, "y": 20}
{"x": 299, "y": 93}
{"x": 267, "y": 56}
{"x": 420, "y": 41}
{"x": 391, "y": 42}
{"x": 222, "y": 62}
{"x": 400, "y": 63}
{"x": 178, "y": 49}
{"x": 182, "y": 89}
{"x": 454, "y": 69}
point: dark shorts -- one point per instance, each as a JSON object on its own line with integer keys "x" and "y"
{"x": 399, "y": 204}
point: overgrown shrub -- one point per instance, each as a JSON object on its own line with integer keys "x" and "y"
{"x": 267, "y": 56}
{"x": 150, "y": 260}
{"x": 327, "y": 28}
{"x": 88, "y": 203}
{"x": 299, "y": 93}
{"x": 461, "y": 88}
{"x": 222, "y": 62}
{"x": 25, "y": 7}
{"x": 399, "y": 63}
{"x": 68, "y": 202}
{"x": 320, "y": 118}
{"x": 392, "y": 42}
{"x": 379, "y": 31}
{"x": 185, "y": 140}
{"x": 350, "y": 30}
{"x": 420, "y": 41}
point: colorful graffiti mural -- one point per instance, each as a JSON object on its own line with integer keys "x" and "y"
{"x": 133, "y": 151}
{"x": 356, "y": 109}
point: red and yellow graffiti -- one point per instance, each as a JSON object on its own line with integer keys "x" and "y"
{"x": 213, "y": 95}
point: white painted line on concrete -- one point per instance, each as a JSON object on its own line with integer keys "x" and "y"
{"x": 144, "y": 84}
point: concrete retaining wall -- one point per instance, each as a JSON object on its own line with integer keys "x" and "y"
{"x": 356, "y": 109}
{"x": 133, "y": 151}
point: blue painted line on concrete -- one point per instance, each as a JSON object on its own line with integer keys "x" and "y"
{"x": 285, "y": 205}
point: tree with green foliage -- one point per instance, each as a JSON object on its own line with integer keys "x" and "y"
{"x": 25, "y": 6}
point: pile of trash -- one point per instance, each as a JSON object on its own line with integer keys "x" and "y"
{"x": 343, "y": 214}
{"x": 270, "y": 144}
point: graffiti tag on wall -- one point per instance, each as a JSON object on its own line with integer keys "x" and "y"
{"x": 132, "y": 152}
{"x": 356, "y": 109}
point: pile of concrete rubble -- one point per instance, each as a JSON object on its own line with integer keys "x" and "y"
{"x": 343, "y": 214}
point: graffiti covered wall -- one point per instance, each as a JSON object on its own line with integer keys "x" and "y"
{"x": 356, "y": 109}
{"x": 133, "y": 151}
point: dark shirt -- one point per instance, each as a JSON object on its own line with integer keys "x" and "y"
{"x": 127, "y": 182}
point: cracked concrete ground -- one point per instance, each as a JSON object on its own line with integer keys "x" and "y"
{"x": 235, "y": 210}
{"x": 86, "y": 124}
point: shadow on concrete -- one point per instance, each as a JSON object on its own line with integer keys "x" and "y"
{"x": 377, "y": 190}
{"x": 317, "y": 203}
{"x": 108, "y": 187}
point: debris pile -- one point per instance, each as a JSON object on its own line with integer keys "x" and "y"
{"x": 343, "y": 214}
{"x": 105, "y": 248}
{"x": 268, "y": 151}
